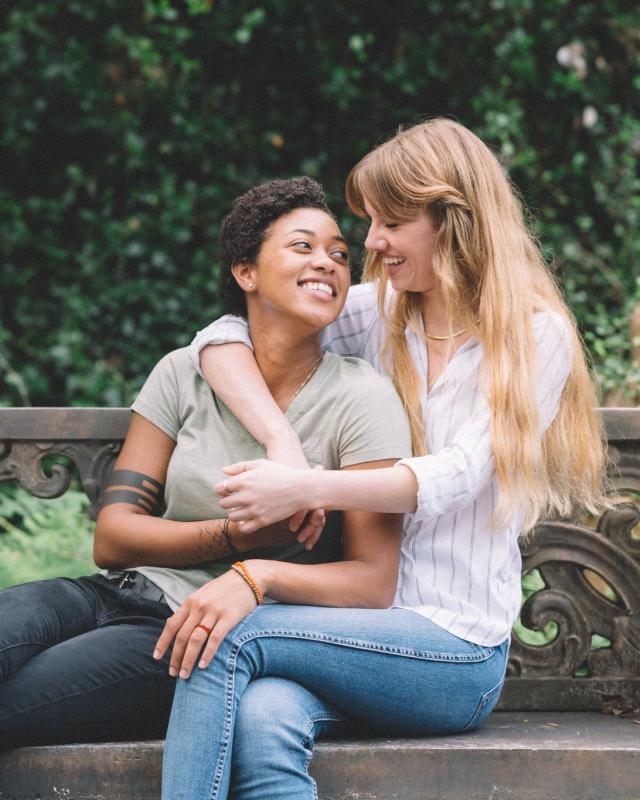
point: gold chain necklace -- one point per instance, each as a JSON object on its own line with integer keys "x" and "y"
{"x": 304, "y": 382}
{"x": 444, "y": 338}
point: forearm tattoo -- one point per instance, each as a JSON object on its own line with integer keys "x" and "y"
{"x": 214, "y": 541}
{"x": 135, "y": 488}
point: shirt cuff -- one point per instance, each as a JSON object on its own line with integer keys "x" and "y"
{"x": 434, "y": 485}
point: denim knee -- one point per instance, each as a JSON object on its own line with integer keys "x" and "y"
{"x": 275, "y": 713}
{"x": 276, "y": 726}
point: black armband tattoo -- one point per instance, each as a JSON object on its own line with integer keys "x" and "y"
{"x": 128, "y": 486}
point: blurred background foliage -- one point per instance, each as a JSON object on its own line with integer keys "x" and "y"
{"x": 128, "y": 127}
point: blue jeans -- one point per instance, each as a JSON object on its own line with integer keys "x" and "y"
{"x": 287, "y": 674}
{"x": 76, "y": 663}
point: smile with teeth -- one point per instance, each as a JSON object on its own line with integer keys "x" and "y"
{"x": 318, "y": 287}
{"x": 392, "y": 261}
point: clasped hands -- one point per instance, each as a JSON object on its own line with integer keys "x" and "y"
{"x": 258, "y": 493}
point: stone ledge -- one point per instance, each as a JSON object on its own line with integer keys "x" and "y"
{"x": 515, "y": 756}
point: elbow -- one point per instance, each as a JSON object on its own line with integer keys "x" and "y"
{"x": 107, "y": 554}
{"x": 383, "y": 592}
{"x": 106, "y": 558}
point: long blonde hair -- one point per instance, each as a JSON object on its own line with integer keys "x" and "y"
{"x": 492, "y": 279}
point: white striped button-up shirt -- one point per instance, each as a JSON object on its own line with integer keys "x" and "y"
{"x": 454, "y": 568}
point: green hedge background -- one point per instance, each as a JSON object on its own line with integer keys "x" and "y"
{"x": 128, "y": 127}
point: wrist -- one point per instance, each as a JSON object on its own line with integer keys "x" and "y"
{"x": 261, "y": 571}
{"x": 311, "y": 488}
{"x": 238, "y": 539}
{"x": 279, "y": 434}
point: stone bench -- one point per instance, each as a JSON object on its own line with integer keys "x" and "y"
{"x": 548, "y": 740}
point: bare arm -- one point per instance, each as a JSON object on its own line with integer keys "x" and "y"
{"x": 261, "y": 490}
{"x": 366, "y": 578}
{"x": 231, "y": 370}
{"x": 128, "y": 534}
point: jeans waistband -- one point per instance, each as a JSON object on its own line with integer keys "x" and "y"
{"x": 140, "y": 584}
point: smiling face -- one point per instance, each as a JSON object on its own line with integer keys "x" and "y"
{"x": 406, "y": 248}
{"x": 301, "y": 272}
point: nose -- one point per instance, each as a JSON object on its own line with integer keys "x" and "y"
{"x": 323, "y": 262}
{"x": 375, "y": 241}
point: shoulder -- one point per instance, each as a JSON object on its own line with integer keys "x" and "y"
{"x": 553, "y": 321}
{"x": 362, "y": 299}
{"x": 172, "y": 373}
{"x": 363, "y": 292}
{"x": 554, "y": 335}
{"x": 177, "y": 362}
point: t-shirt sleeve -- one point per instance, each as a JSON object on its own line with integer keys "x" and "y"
{"x": 159, "y": 398}
{"x": 374, "y": 426}
{"x": 225, "y": 330}
{"x": 347, "y": 336}
{"x": 454, "y": 476}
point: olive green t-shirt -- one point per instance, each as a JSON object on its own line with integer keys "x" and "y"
{"x": 346, "y": 414}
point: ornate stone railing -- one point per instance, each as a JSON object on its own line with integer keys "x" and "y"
{"x": 588, "y": 568}
{"x": 43, "y": 448}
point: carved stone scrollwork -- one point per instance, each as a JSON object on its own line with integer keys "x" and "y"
{"x": 592, "y": 587}
{"x": 23, "y": 462}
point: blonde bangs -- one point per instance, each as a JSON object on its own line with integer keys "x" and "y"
{"x": 382, "y": 179}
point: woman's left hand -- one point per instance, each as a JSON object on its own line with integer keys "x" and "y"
{"x": 261, "y": 492}
{"x": 202, "y": 621}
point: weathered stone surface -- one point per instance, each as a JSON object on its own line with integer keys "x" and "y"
{"x": 537, "y": 756}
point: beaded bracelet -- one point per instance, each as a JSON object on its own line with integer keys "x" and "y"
{"x": 243, "y": 572}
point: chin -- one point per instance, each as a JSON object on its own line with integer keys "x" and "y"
{"x": 400, "y": 285}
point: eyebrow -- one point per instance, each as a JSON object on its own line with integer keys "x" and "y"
{"x": 313, "y": 233}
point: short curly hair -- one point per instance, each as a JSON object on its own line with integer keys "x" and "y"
{"x": 245, "y": 227}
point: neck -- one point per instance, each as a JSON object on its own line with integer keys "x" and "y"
{"x": 435, "y": 319}
{"x": 285, "y": 357}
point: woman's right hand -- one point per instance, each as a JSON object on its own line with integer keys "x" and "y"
{"x": 259, "y": 493}
{"x": 199, "y": 625}
{"x": 309, "y": 524}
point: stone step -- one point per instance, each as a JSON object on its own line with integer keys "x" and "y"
{"x": 514, "y": 756}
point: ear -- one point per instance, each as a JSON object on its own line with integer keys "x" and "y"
{"x": 245, "y": 275}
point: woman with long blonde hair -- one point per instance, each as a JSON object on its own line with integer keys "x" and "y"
{"x": 459, "y": 309}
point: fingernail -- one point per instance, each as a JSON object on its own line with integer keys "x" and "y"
{"x": 184, "y": 673}
{"x": 156, "y": 654}
{"x": 202, "y": 664}
{"x": 173, "y": 672}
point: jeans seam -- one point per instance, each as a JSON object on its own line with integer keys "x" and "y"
{"x": 487, "y": 697}
{"x": 228, "y": 719}
{"x": 482, "y": 655}
{"x": 23, "y": 644}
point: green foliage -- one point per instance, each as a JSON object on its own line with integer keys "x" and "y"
{"x": 531, "y": 583}
{"x": 128, "y": 127}
{"x": 43, "y": 538}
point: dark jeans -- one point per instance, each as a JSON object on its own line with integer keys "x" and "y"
{"x": 76, "y": 664}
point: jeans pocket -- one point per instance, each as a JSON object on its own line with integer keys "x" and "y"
{"x": 485, "y": 706}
